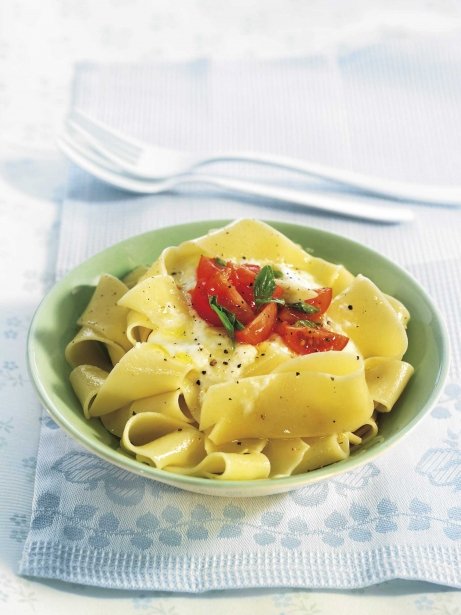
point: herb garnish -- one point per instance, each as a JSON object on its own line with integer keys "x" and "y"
{"x": 220, "y": 262}
{"x": 307, "y": 323}
{"x": 227, "y": 318}
{"x": 264, "y": 286}
{"x": 300, "y": 306}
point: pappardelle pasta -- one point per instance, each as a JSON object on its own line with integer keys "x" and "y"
{"x": 239, "y": 356}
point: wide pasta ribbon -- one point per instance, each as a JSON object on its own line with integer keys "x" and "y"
{"x": 386, "y": 378}
{"x": 159, "y": 300}
{"x": 104, "y": 314}
{"x": 161, "y": 440}
{"x": 368, "y": 318}
{"x": 102, "y": 339}
{"x": 228, "y": 466}
{"x": 309, "y": 396}
{"x": 144, "y": 371}
{"x": 249, "y": 240}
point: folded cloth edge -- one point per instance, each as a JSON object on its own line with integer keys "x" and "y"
{"x": 194, "y": 574}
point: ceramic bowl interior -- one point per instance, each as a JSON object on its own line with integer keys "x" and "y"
{"x": 54, "y": 324}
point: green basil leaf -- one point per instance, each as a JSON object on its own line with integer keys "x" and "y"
{"x": 277, "y": 273}
{"x": 306, "y": 308}
{"x": 228, "y": 319}
{"x": 264, "y": 285}
{"x": 307, "y": 323}
{"x": 220, "y": 261}
{"x": 275, "y": 300}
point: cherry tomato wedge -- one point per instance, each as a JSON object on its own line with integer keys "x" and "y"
{"x": 260, "y": 327}
{"x": 290, "y": 316}
{"x": 206, "y": 268}
{"x": 322, "y": 300}
{"x": 305, "y": 340}
{"x": 214, "y": 279}
{"x": 243, "y": 279}
{"x": 201, "y": 305}
{"x": 219, "y": 284}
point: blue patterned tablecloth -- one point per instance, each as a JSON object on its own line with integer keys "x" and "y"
{"x": 32, "y": 186}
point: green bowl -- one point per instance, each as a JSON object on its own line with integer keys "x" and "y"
{"x": 54, "y": 325}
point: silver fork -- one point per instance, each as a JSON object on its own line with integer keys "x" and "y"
{"x": 147, "y": 161}
{"x": 353, "y": 206}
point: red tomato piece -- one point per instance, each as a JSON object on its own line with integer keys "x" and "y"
{"x": 206, "y": 268}
{"x": 243, "y": 279}
{"x": 305, "y": 340}
{"x": 251, "y": 267}
{"x": 322, "y": 300}
{"x": 200, "y": 303}
{"x": 260, "y": 327}
{"x": 290, "y": 316}
{"x": 278, "y": 292}
{"x": 219, "y": 284}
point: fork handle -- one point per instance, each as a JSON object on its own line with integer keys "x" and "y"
{"x": 377, "y": 210}
{"x": 368, "y": 208}
{"x": 406, "y": 191}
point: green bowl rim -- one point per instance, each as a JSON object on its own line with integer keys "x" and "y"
{"x": 179, "y": 480}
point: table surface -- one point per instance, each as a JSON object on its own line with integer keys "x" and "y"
{"x": 35, "y": 80}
